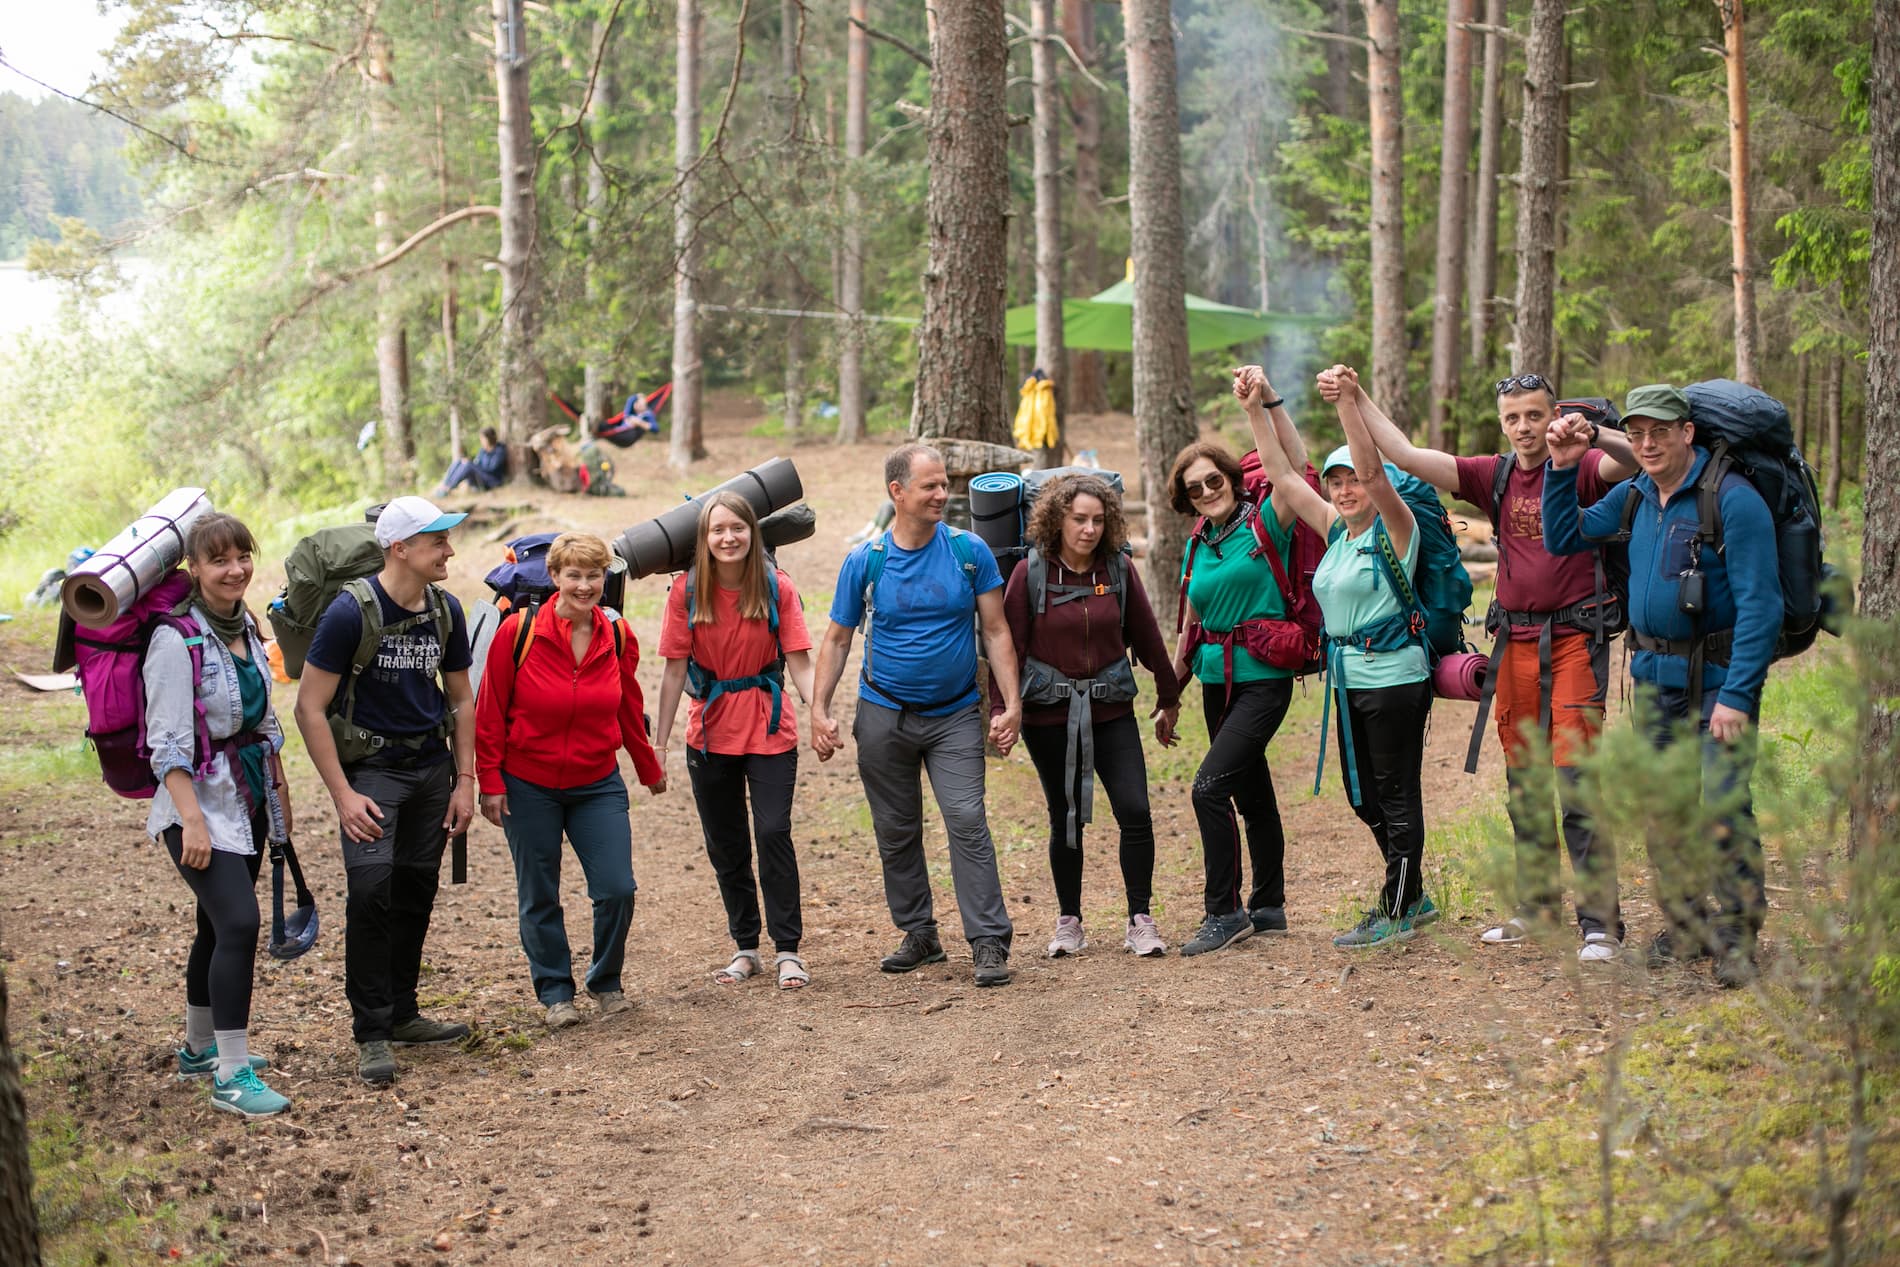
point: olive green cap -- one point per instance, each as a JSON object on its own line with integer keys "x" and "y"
{"x": 1657, "y": 401}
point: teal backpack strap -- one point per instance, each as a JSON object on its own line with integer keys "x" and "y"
{"x": 966, "y": 556}
{"x": 873, "y": 568}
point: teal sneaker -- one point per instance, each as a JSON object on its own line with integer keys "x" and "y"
{"x": 202, "y": 1064}
{"x": 1422, "y": 911}
{"x": 246, "y": 1095}
{"x": 1376, "y": 929}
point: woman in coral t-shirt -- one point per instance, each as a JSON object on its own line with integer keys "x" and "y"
{"x": 733, "y": 631}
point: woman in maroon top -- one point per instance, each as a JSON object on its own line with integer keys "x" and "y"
{"x": 1075, "y": 606}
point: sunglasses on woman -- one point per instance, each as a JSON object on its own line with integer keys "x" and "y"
{"x": 1212, "y": 484}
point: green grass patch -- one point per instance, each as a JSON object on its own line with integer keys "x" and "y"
{"x": 43, "y": 765}
{"x": 99, "y": 1203}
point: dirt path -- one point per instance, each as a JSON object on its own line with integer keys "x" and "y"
{"x": 1273, "y": 1103}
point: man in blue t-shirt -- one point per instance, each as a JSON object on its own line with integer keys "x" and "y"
{"x": 383, "y": 748}
{"x": 915, "y": 590}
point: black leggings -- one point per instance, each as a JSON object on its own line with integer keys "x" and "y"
{"x": 1122, "y": 772}
{"x": 1388, "y": 742}
{"x": 224, "y": 953}
{"x": 1234, "y": 776}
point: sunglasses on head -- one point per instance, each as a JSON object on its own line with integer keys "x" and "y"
{"x": 1524, "y": 383}
{"x": 1212, "y": 484}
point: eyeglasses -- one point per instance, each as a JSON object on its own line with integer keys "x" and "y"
{"x": 1640, "y": 436}
{"x": 1524, "y": 383}
{"x": 1212, "y": 484}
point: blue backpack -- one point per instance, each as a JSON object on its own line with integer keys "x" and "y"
{"x": 704, "y": 687}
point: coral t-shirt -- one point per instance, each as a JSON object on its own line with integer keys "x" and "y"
{"x": 732, "y": 647}
{"x": 1531, "y": 578}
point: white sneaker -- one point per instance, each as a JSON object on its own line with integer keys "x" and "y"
{"x": 1509, "y": 933}
{"x": 1599, "y": 948}
{"x": 1068, "y": 939}
{"x": 1143, "y": 938}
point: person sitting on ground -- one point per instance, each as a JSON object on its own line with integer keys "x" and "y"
{"x": 915, "y": 590}
{"x": 487, "y": 470}
{"x": 731, "y": 633}
{"x": 548, "y": 723}
{"x": 1072, "y": 639}
{"x": 1544, "y": 613}
{"x": 214, "y": 818}
{"x": 1717, "y": 609}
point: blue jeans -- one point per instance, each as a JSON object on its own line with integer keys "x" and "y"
{"x": 593, "y": 817}
{"x": 463, "y": 471}
{"x": 1732, "y": 867}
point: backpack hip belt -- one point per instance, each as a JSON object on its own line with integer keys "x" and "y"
{"x": 1715, "y": 646}
{"x": 1045, "y": 684}
{"x": 1598, "y": 617}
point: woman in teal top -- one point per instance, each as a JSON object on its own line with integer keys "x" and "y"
{"x": 1378, "y": 670}
{"x": 1230, "y": 586}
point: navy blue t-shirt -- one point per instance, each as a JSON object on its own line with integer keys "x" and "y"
{"x": 400, "y": 692}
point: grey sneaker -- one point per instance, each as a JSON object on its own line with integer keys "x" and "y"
{"x": 420, "y": 1031}
{"x": 612, "y": 1002}
{"x": 1270, "y": 920}
{"x": 992, "y": 961}
{"x": 1219, "y": 932}
{"x": 1143, "y": 938}
{"x": 1068, "y": 939}
{"x": 563, "y": 1014}
{"x": 375, "y": 1063}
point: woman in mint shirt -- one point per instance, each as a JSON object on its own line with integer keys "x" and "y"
{"x": 1377, "y": 664}
{"x": 1230, "y": 584}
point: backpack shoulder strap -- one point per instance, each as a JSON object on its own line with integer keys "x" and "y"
{"x": 1118, "y": 582}
{"x": 1394, "y": 566}
{"x": 1715, "y": 477}
{"x": 444, "y": 616}
{"x": 1500, "y": 485}
{"x": 371, "y": 610}
{"x": 619, "y": 628}
{"x": 524, "y": 631}
{"x": 1036, "y": 579}
{"x": 966, "y": 555}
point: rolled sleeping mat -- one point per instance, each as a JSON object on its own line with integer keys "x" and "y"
{"x": 1460, "y": 675}
{"x": 98, "y": 590}
{"x": 664, "y": 543}
{"x": 784, "y": 527}
{"x": 1035, "y": 481}
{"x": 996, "y": 509}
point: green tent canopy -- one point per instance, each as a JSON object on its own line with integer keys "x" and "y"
{"x": 1106, "y": 322}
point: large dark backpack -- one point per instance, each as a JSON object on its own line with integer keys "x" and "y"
{"x": 315, "y": 572}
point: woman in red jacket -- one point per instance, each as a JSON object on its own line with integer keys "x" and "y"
{"x": 549, "y": 724}
{"x": 733, "y": 631}
{"x": 1075, "y": 606}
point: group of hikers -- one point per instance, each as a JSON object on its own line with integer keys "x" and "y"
{"x": 409, "y": 753}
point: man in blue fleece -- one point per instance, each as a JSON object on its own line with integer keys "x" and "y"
{"x": 1684, "y": 588}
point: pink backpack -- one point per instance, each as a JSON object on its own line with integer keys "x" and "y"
{"x": 110, "y": 663}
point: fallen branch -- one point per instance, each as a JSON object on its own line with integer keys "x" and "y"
{"x": 896, "y": 1003}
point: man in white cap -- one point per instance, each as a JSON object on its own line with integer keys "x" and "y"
{"x": 387, "y": 714}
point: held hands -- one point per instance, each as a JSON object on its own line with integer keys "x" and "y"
{"x": 359, "y": 816}
{"x": 1250, "y": 385}
{"x": 1727, "y": 724}
{"x": 1568, "y": 438}
{"x": 1336, "y": 382}
{"x": 1004, "y": 727}
{"x": 824, "y": 736}
{"x": 495, "y": 808}
{"x": 655, "y": 789}
{"x": 1166, "y": 719}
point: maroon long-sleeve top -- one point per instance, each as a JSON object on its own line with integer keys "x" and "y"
{"x": 1083, "y": 635}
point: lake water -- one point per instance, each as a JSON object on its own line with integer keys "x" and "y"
{"x": 29, "y": 301}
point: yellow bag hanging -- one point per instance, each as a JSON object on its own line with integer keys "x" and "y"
{"x": 1036, "y": 415}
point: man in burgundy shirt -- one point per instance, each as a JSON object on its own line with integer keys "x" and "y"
{"x": 1551, "y": 673}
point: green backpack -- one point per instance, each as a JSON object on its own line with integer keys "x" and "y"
{"x": 315, "y": 572}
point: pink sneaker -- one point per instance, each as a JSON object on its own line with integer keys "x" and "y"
{"x": 1068, "y": 939}
{"x": 1144, "y": 938}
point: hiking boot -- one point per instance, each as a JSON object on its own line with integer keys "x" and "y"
{"x": 1068, "y": 939}
{"x": 992, "y": 961}
{"x": 1422, "y": 912}
{"x": 420, "y": 1031}
{"x": 1219, "y": 932}
{"x": 1376, "y": 929}
{"x": 563, "y": 1014}
{"x": 246, "y": 1095}
{"x": 1665, "y": 951}
{"x": 1143, "y": 938}
{"x": 916, "y": 950}
{"x": 375, "y": 1062}
{"x": 202, "y": 1064}
{"x": 1735, "y": 969}
{"x": 612, "y": 1002}
{"x": 1599, "y": 947}
{"x": 1270, "y": 920}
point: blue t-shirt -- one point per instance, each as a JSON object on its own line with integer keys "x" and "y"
{"x": 399, "y": 694}
{"x": 922, "y": 647}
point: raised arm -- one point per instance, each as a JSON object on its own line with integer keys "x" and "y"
{"x": 1293, "y": 497}
{"x": 1370, "y": 468}
{"x": 1437, "y": 469}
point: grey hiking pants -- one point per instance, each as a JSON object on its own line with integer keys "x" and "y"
{"x": 893, "y": 746}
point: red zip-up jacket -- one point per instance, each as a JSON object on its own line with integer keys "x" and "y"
{"x": 554, "y": 723}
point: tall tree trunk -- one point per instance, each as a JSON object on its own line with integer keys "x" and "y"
{"x": 392, "y": 344}
{"x": 1087, "y": 382}
{"x": 961, "y": 388}
{"x": 1164, "y": 395}
{"x": 597, "y": 374}
{"x": 452, "y": 390}
{"x": 1831, "y": 405}
{"x": 1484, "y": 238}
{"x": 1050, "y": 352}
{"x": 791, "y": 36}
{"x": 19, "y": 1220}
{"x": 688, "y": 445}
{"x": 1454, "y": 158}
{"x": 1387, "y": 115}
{"x": 1801, "y": 394}
{"x": 1538, "y": 189}
{"x": 1337, "y": 90}
{"x": 523, "y": 394}
{"x": 851, "y": 297}
{"x": 1747, "y": 326}
{"x": 1880, "y": 465}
